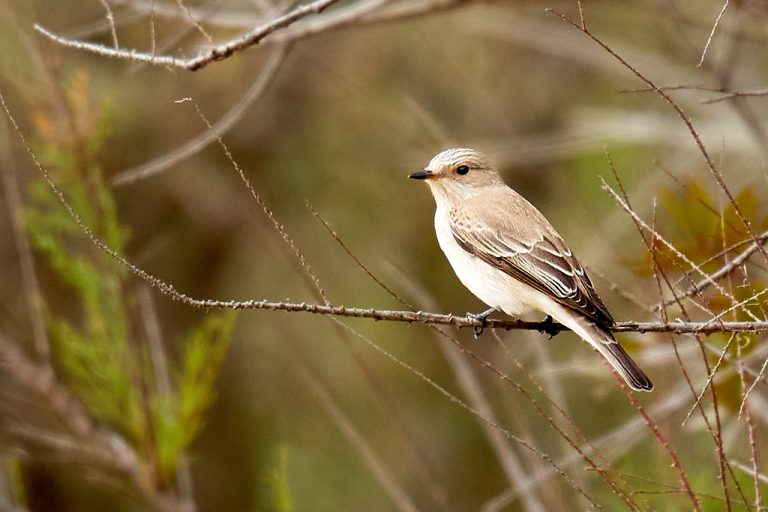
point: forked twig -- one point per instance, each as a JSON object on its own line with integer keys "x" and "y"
{"x": 723, "y": 271}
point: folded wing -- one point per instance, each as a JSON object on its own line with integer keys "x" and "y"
{"x": 529, "y": 250}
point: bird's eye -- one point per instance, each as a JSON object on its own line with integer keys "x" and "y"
{"x": 462, "y": 169}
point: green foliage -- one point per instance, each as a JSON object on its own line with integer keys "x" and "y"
{"x": 178, "y": 417}
{"x": 278, "y": 482}
{"x": 91, "y": 351}
{"x": 99, "y": 356}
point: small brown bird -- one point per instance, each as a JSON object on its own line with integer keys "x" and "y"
{"x": 504, "y": 250}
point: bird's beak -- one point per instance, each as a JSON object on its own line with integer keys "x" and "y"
{"x": 421, "y": 175}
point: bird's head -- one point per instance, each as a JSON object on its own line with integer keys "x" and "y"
{"x": 459, "y": 172}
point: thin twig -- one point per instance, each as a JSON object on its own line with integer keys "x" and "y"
{"x": 152, "y": 35}
{"x": 750, "y": 428}
{"x": 758, "y": 378}
{"x": 712, "y": 34}
{"x": 738, "y": 94}
{"x": 111, "y": 21}
{"x": 718, "y": 177}
{"x": 453, "y": 398}
{"x": 220, "y": 127}
{"x": 195, "y": 22}
{"x": 267, "y": 211}
{"x": 357, "y": 261}
{"x": 395, "y": 492}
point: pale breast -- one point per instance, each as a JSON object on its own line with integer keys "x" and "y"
{"x": 490, "y": 285}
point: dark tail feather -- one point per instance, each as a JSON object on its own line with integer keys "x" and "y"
{"x": 627, "y": 368}
{"x": 601, "y": 338}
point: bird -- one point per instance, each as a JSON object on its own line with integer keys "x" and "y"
{"x": 509, "y": 256}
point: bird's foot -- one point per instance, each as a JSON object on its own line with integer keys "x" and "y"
{"x": 548, "y": 326}
{"x": 482, "y": 318}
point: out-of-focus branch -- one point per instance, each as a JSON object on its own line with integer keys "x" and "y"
{"x": 217, "y": 53}
{"x": 717, "y": 176}
{"x": 721, "y": 272}
{"x": 84, "y": 437}
{"x": 26, "y": 261}
{"x": 223, "y": 125}
{"x": 278, "y": 30}
{"x": 394, "y": 490}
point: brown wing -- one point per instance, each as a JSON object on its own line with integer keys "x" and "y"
{"x": 531, "y": 252}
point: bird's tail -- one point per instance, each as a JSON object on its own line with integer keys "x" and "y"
{"x": 603, "y": 341}
{"x": 632, "y": 374}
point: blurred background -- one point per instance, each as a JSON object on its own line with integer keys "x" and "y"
{"x": 114, "y": 397}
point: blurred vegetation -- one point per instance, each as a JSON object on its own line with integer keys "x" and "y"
{"x": 95, "y": 348}
{"x": 200, "y": 411}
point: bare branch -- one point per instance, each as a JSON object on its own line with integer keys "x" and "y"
{"x": 217, "y": 53}
{"x": 279, "y": 30}
{"x": 723, "y": 271}
{"x": 105, "y": 51}
{"x": 737, "y": 94}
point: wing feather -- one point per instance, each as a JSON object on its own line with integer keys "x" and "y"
{"x": 534, "y": 255}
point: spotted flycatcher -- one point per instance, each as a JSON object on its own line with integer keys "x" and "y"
{"x": 504, "y": 250}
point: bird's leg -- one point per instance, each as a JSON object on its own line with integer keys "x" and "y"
{"x": 482, "y": 318}
{"x": 548, "y": 326}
